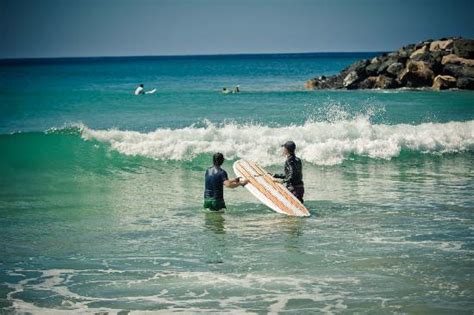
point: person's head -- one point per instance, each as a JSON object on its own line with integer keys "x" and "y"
{"x": 218, "y": 159}
{"x": 223, "y": 89}
{"x": 289, "y": 148}
{"x": 141, "y": 85}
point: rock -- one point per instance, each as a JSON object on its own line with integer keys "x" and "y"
{"x": 373, "y": 67}
{"x": 453, "y": 59}
{"x": 464, "y": 48}
{"x": 458, "y": 71}
{"x": 438, "y": 45}
{"x": 310, "y": 84}
{"x": 465, "y": 83}
{"x": 368, "y": 83}
{"x": 419, "y": 51}
{"x": 404, "y": 53}
{"x": 447, "y": 60}
{"x": 408, "y": 50}
{"x": 386, "y": 63}
{"x": 416, "y": 74}
{"x": 443, "y": 82}
{"x": 395, "y": 68}
{"x": 350, "y": 79}
{"x": 384, "y": 82}
{"x": 358, "y": 68}
{"x": 433, "y": 60}
{"x": 422, "y": 43}
{"x": 323, "y": 82}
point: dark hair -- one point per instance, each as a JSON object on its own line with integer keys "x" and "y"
{"x": 218, "y": 159}
{"x": 141, "y": 85}
{"x": 290, "y": 146}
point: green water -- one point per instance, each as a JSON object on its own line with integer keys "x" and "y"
{"x": 96, "y": 219}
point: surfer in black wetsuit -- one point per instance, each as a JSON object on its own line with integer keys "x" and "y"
{"x": 215, "y": 180}
{"x": 293, "y": 177}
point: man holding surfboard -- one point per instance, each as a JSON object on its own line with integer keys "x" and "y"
{"x": 293, "y": 177}
{"x": 215, "y": 180}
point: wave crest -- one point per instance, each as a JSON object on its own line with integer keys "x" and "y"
{"x": 321, "y": 143}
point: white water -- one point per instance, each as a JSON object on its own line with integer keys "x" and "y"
{"x": 321, "y": 143}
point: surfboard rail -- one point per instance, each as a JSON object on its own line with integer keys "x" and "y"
{"x": 272, "y": 194}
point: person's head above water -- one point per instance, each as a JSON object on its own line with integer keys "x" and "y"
{"x": 289, "y": 147}
{"x": 141, "y": 85}
{"x": 218, "y": 159}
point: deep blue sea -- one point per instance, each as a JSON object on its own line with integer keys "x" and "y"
{"x": 101, "y": 190}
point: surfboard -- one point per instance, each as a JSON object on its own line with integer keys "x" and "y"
{"x": 274, "y": 195}
{"x": 151, "y": 91}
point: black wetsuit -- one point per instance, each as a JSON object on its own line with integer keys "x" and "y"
{"x": 293, "y": 177}
{"x": 214, "y": 188}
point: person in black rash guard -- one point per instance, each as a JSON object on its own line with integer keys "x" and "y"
{"x": 293, "y": 177}
{"x": 215, "y": 180}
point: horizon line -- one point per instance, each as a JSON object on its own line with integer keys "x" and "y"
{"x": 186, "y": 55}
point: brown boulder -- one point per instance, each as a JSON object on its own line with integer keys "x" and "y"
{"x": 453, "y": 59}
{"x": 416, "y": 74}
{"x": 323, "y": 82}
{"x": 384, "y": 82}
{"x": 419, "y": 51}
{"x": 441, "y": 45}
{"x": 443, "y": 82}
{"x": 310, "y": 84}
{"x": 368, "y": 83}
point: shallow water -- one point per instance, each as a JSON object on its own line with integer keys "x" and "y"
{"x": 100, "y": 219}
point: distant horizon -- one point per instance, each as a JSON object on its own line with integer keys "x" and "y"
{"x": 195, "y": 55}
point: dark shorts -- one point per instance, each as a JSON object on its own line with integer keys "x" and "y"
{"x": 298, "y": 192}
{"x": 213, "y": 204}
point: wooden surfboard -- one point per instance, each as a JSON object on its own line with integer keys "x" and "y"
{"x": 274, "y": 195}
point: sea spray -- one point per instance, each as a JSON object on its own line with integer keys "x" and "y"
{"x": 320, "y": 143}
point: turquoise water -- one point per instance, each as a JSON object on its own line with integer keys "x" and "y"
{"x": 101, "y": 190}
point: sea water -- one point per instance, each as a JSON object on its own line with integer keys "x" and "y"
{"x": 101, "y": 191}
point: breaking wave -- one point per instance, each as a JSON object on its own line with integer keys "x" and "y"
{"x": 321, "y": 143}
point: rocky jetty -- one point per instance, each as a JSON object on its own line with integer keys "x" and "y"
{"x": 438, "y": 64}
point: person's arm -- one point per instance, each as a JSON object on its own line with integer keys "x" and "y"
{"x": 289, "y": 172}
{"x": 235, "y": 182}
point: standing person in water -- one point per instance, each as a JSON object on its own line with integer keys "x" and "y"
{"x": 215, "y": 180}
{"x": 293, "y": 177}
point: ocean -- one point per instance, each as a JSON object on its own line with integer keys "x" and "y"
{"x": 101, "y": 191}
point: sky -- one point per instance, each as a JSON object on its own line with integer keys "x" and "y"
{"x": 80, "y": 28}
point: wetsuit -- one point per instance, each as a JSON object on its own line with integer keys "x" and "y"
{"x": 293, "y": 177}
{"x": 214, "y": 188}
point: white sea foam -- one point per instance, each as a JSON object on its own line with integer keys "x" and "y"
{"x": 275, "y": 290}
{"x": 322, "y": 143}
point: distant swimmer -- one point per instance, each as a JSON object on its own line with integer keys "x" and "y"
{"x": 293, "y": 177}
{"x": 225, "y": 90}
{"x": 215, "y": 180}
{"x": 234, "y": 90}
{"x": 141, "y": 90}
